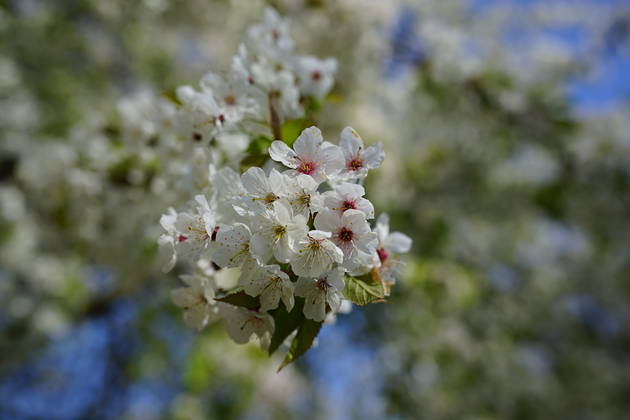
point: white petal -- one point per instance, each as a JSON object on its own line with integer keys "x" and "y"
{"x": 196, "y": 317}
{"x": 350, "y": 142}
{"x": 382, "y": 227}
{"x": 282, "y": 251}
{"x": 260, "y": 247}
{"x": 366, "y": 207}
{"x": 282, "y": 153}
{"x": 319, "y": 234}
{"x": 398, "y": 243}
{"x": 270, "y": 298}
{"x": 355, "y": 221}
{"x": 184, "y": 297}
{"x": 333, "y": 298}
{"x": 327, "y": 221}
{"x": 373, "y": 156}
{"x": 307, "y": 144}
{"x": 287, "y": 295}
{"x": 333, "y": 158}
{"x": 315, "y": 306}
{"x": 255, "y": 181}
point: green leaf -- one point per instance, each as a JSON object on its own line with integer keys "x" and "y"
{"x": 285, "y": 323}
{"x": 240, "y": 298}
{"x": 302, "y": 341}
{"x": 259, "y": 145}
{"x": 363, "y": 290}
{"x": 291, "y": 129}
{"x": 171, "y": 95}
{"x": 256, "y": 154}
{"x": 253, "y": 160}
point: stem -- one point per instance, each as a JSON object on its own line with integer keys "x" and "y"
{"x": 274, "y": 119}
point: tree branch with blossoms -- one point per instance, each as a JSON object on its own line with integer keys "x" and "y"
{"x": 295, "y": 222}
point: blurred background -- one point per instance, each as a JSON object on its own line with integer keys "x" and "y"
{"x": 507, "y": 135}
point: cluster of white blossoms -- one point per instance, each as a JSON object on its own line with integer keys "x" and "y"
{"x": 299, "y": 229}
{"x": 268, "y": 83}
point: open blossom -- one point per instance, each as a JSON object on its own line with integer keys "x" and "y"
{"x": 347, "y": 196}
{"x": 188, "y": 234}
{"x": 315, "y": 254}
{"x": 316, "y": 76}
{"x": 303, "y": 196}
{"x": 277, "y": 232}
{"x": 351, "y": 233}
{"x": 358, "y": 159}
{"x": 242, "y": 323}
{"x": 199, "y": 119}
{"x": 261, "y": 191}
{"x": 317, "y": 292}
{"x": 271, "y": 36}
{"x": 232, "y": 245}
{"x": 232, "y": 98}
{"x": 389, "y": 244}
{"x": 271, "y": 284}
{"x": 311, "y": 155}
{"x": 227, "y": 186}
{"x": 197, "y": 300}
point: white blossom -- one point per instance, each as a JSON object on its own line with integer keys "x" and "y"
{"x": 351, "y": 233}
{"x": 271, "y": 284}
{"x": 232, "y": 98}
{"x": 242, "y": 323}
{"x": 188, "y": 234}
{"x": 389, "y": 244}
{"x": 318, "y": 292}
{"x": 232, "y": 245}
{"x": 311, "y": 155}
{"x": 358, "y": 159}
{"x": 277, "y": 231}
{"x": 303, "y": 196}
{"x": 315, "y": 254}
{"x": 271, "y": 37}
{"x": 316, "y": 76}
{"x": 197, "y": 300}
{"x": 347, "y": 196}
{"x": 261, "y": 191}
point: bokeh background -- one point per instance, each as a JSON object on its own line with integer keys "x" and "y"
{"x": 506, "y": 127}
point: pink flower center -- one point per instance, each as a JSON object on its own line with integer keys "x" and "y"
{"x": 355, "y": 164}
{"x": 382, "y": 254}
{"x": 345, "y": 234}
{"x": 347, "y": 205}
{"x": 182, "y": 238}
{"x": 214, "y": 233}
{"x": 323, "y": 284}
{"x": 307, "y": 167}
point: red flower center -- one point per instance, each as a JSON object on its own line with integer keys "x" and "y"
{"x": 182, "y": 238}
{"x": 382, "y": 254}
{"x": 345, "y": 234}
{"x": 307, "y": 167}
{"x": 355, "y": 164}
{"x": 214, "y": 233}
{"x": 347, "y": 205}
{"x": 316, "y": 75}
